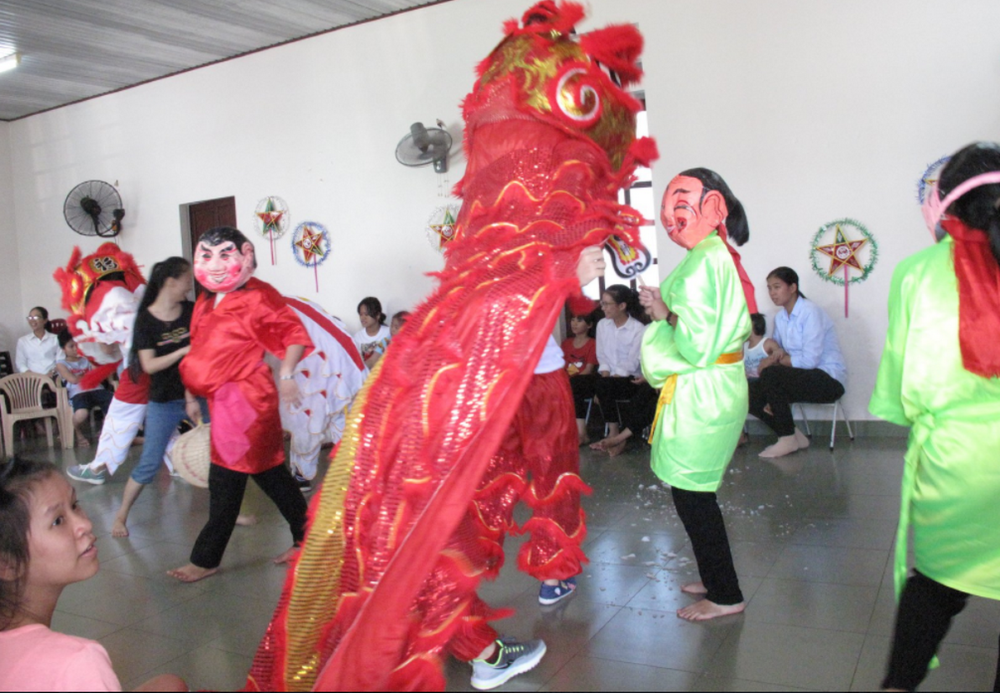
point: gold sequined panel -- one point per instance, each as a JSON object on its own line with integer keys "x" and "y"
{"x": 314, "y": 601}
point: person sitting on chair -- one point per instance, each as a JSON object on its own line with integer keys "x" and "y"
{"x": 809, "y": 366}
{"x": 72, "y": 368}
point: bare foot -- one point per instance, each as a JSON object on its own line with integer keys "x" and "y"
{"x": 246, "y": 520}
{"x": 744, "y": 439}
{"x": 599, "y": 445}
{"x": 705, "y": 610}
{"x": 138, "y": 440}
{"x": 584, "y": 441}
{"x": 118, "y": 529}
{"x": 287, "y": 557}
{"x": 615, "y": 449}
{"x": 694, "y": 588}
{"x": 192, "y": 573}
{"x": 82, "y": 442}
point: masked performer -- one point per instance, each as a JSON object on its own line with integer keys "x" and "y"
{"x": 235, "y": 321}
{"x": 694, "y": 352}
{"x": 940, "y": 374}
{"x": 328, "y": 380}
{"x": 385, "y": 584}
{"x": 102, "y": 292}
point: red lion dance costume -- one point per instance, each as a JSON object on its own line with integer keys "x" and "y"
{"x": 387, "y": 576}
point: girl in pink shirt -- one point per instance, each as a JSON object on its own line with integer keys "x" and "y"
{"x": 47, "y": 543}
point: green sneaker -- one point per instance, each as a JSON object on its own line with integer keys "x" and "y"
{"x": 513, "y": 658}
{"x": 87, "y": 475}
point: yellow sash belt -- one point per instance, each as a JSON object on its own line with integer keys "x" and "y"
{"x": 667, "y": 393}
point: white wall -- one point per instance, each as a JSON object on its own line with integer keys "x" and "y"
{"x": 12, "y": 323}
{"x": 812, "y": 111}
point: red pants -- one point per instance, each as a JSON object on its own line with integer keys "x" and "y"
{"x": 539, "y": 463}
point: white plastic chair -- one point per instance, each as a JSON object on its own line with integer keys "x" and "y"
{"x": 24, "y": 397}
{"x": 838, "y": 409}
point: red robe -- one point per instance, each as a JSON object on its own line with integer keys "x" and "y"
{"x": 226, "y": 366}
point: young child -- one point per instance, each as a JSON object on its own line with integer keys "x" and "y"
{"x": 758, "y": 348}
{"x": 47, "y": 543}
{"x": 397, "y": 322}
{"x": 71, "y": 368}
{"x": 580, "y": 352}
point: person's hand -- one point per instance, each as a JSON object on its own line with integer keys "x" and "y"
{"x": 591, "y": 265}
{"x": 638, "y": 380}
{"x": 288, "y": 390}
{"x": 650, "y": 299}
{"x": 193, "y": 410}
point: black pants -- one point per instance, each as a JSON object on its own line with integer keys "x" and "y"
{"x": 614, "y": 389}
{"x": 780, "y": 386}
{"x": 584, "y": 387}
{"x": 926, "y": 609}
{"x": 226, "y": 489}
{"x": 703, "y": 522}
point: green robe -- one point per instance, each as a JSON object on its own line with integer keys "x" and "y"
{"x": 951, "y": 482}
{"x": 697, "y": 433}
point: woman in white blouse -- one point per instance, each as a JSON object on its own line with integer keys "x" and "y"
{"x": 38, "y": 351}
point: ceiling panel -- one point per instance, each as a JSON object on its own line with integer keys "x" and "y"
{"x": 77, "y": 49}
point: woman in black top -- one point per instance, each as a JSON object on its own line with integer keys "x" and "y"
{"x": 161, "y": 338}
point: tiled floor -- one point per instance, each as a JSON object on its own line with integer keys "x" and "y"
{"x": 812, "y": 542}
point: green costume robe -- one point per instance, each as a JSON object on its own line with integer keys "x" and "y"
{"x": 951, "y": 482}
{"x": 697, "y": 433}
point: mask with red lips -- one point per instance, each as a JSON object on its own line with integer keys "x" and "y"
{"x": 224, "y": 260}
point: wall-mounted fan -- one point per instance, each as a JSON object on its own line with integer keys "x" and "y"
{"x": 94, "y": 208}
{"x": 425, "y": 146}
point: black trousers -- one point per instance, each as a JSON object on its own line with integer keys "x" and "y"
{"x": 780, "y": 386}
{"x": 926, "y": 609}
{"x": 584, "y": 387}
{"x": 226, "y": 489}
{"x": 702, "y": 518}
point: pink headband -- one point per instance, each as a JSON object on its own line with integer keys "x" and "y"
{"x": 934, "y": 207}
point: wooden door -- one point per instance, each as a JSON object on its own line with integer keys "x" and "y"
{"x": 209, "y": 214}
{"x": 203, "y": 216}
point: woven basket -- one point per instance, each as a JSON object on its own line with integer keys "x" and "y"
{"x": 192, "y": 455}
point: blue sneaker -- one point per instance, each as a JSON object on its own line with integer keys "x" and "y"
{"x": 513, "y": 658}
{"x": 550, "y": 594}
{"x": 85, "y": 474}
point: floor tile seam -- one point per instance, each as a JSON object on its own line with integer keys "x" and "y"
{"x": 763, "y": 619}
{"x": 698, "y": 672}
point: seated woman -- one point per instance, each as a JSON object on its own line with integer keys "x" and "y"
{"x": 808, "y": 368}
{"x": 619, "y": 339}
{"x": 580, "y": 352}
{"x": 72, "y": 368}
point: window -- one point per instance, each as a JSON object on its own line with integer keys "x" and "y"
{"x": 640, "y": 197}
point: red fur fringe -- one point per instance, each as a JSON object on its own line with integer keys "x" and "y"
{"x": 618, "y": 47}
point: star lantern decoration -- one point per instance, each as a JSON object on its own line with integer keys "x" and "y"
{"x": 311, "y": 246}
{"x": 311, "y": 243}
{"x": 844, "y": 254}
{"x": 843, "y": 251}
{"x": 442, "y": 227}
{"x": 272, "y": 220}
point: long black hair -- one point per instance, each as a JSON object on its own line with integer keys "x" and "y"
{"x": 171, "y": 268}
{"x": 980, "y": 207}
{"x": 18, "y": 478}
{"x": 736, "y": 222}
{"x": 789, "y": 276}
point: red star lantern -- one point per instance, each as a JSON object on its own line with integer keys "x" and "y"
{"x": 842, "y": 252}
{"x": 311, "y": 244}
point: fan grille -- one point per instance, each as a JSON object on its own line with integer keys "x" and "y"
{"x": 90, "y": 209}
